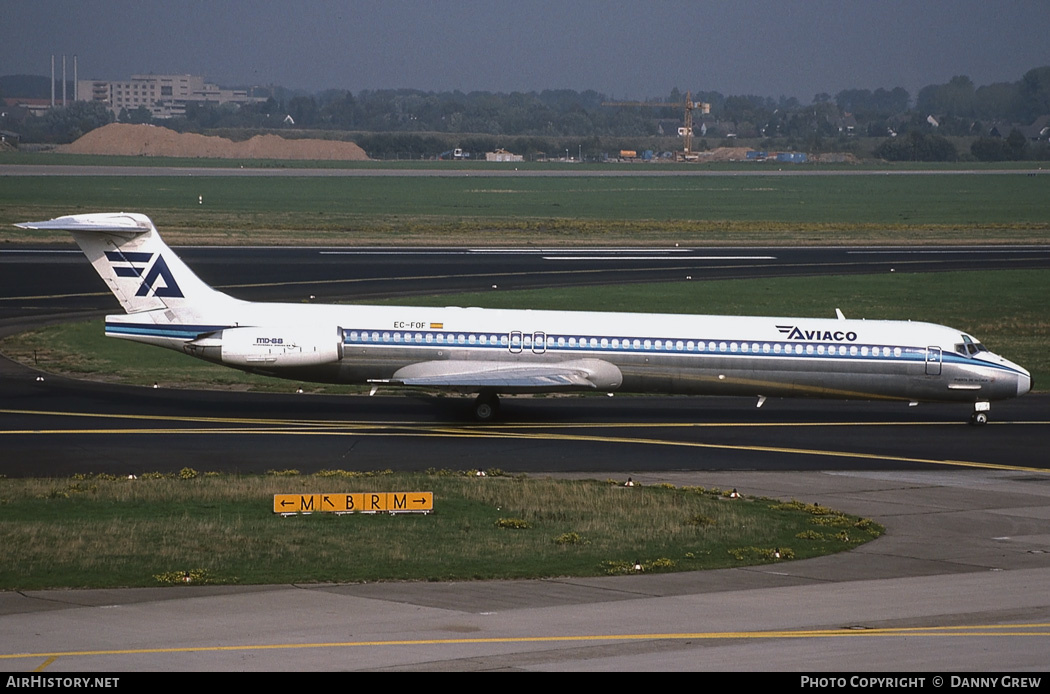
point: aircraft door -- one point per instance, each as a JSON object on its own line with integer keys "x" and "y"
{"x": 539, "y": 343}
{"x": 515, "y": 342}
{"x": 933, "y": 361}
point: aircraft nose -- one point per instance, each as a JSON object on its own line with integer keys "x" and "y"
{"x": 1024, "y": 383}
{"x": 1024, "y": 376}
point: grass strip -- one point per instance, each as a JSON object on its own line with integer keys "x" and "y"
{"x": 102, "y": 531}
{"x": 631, "y": 210}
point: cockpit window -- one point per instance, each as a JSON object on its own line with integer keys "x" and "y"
{"x": 968, "y": 346}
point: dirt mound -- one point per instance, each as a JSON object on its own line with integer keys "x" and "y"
{"x": 154, "y": 141}
{"x": 725, "y": 154}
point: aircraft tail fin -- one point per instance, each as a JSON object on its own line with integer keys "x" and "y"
{"x": 139, "y": 268}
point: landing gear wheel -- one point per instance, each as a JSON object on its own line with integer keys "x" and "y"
{"x": 486, "y": 407}
{"x": 981, "y": 409}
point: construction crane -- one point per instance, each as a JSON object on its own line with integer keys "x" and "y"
{"x": 689, "y": 105}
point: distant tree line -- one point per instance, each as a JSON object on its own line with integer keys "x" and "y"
{"x": 416, "y": 123}
{"x": 61, "y": 125}
{"x": 1018, "y": 102}
{"x": 917, "y": 146}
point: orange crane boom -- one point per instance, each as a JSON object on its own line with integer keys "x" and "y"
{"x": 689, "y": 105}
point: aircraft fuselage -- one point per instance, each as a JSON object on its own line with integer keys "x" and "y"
{"x": 667, "y": 353}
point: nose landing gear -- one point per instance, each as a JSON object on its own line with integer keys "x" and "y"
{"x": 981, "y": 408}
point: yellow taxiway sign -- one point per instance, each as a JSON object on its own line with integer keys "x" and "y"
{"x": 355, "y": 502}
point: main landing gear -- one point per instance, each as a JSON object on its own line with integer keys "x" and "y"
{"x": 981, "y": 408}
{"x": 486, "y": 407}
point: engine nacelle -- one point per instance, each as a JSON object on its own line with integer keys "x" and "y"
{"x": 271, "y": 347}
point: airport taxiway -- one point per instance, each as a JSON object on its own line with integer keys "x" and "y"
{"x": 960, "y": 582}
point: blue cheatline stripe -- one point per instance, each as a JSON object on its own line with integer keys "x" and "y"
{"x": 185, "y": 332}
{"x": 580, "y": 344}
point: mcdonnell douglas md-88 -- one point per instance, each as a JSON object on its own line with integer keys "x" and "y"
{"x": 492, "y": 352}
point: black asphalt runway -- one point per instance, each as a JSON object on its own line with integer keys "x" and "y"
{"x": 58, "y": 426}
{"x": 48, "y": 280}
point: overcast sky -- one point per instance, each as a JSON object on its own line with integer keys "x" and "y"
{"x": 623, "y": 49}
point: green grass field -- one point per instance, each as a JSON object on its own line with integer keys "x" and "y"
{"x": 518, "y": 210}
{"x": 99, "y": 531}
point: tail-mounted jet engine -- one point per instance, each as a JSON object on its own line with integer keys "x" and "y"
{"x": 269, "y": 347}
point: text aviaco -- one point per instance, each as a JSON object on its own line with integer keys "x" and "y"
{"x": 793, "y": 332}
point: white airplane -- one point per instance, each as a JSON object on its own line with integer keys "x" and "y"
{"x": 493, "y": 352}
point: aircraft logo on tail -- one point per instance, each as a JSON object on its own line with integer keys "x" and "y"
{"x": 132, "y": 264}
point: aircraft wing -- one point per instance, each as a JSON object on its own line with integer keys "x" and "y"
{"x": 578, "y": 373}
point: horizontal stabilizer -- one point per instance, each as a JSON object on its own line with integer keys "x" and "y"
{"x": 139, "y": 268}
{"x": 126, "y": 224}
{"x": 578, "y": 373}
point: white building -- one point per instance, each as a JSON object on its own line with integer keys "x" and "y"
{"x": 502, "y": 155}
{"x": 166, "y": 96}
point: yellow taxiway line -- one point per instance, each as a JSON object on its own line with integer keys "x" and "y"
{"x": 984, "y": 630}
{"x": 545, "y": 432}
